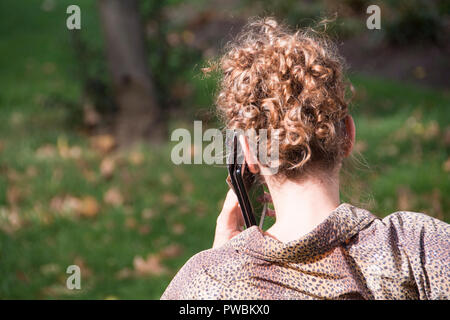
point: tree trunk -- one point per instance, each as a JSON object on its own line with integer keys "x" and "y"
{"x": 139, "y": 116}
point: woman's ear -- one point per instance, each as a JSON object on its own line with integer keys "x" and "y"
{"x": 350, "y": 131}
{"x": 250, "y": 157}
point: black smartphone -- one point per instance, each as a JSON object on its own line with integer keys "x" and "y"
{"x": 245, "y": 186}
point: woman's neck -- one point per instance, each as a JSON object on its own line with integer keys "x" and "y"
{"x": 301, "y": 206}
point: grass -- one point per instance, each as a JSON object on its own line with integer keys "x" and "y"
{"x": 60, "y": 206}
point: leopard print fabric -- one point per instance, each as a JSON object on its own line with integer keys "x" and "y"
{"x": 351, "y": 255}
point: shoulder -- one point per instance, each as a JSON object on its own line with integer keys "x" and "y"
{"x": 202, "y": 276}
{"x": 420, "y": 236}
{"x": 417, "y": 224}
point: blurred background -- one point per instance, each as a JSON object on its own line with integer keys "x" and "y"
{"x": 86, "y": 117}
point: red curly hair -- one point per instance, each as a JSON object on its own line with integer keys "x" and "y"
{"x": 291, "y": 81}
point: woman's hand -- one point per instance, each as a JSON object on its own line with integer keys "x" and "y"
{"x": 230, "y": 220}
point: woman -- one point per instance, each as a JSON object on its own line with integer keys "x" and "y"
{"x": 318, "y": 248}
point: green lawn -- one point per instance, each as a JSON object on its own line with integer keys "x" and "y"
{"x": 130, "y": 220}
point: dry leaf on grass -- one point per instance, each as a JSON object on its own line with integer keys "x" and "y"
{"x": 446, "y": 165}
{"x": 178, "y": 228}
{"x": 166, "y": 179}
{"x": 13, "y": 175}
{"x": 50, "y": 269}
{"x": 103, "y": 143}
{"x": 13, "y": 195}
{"x": 169, "y": 198}
{"x": 171, "y": 251}
{"x": 360, "y": 146}
{"x": 150, "y": 266}
{"x": 113, "y": 197}
{"x": 65, "y": 151}
{"x": 63, "y": 204}
{"x": 124, "y": 274}
{"x": 10, "y": 220}
{"x": 90, "y": 116}
{"x": 136, "y": 158}
{"x": 88, "y": 207}
{"x": 31, "y": 171}
{"x": 188, "y": 187}
{"x": 404, "y": 199}
{"x": 144, "y": 229}
{"x": 147, "y": 214}
{"x": 184, "y": 209}
{"x": 107, "y": 167}
{"x": 130, "y": 223}
{"x": 45, "y": 152}
{"x": 22, "y": 277}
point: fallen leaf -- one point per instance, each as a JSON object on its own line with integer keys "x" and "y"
{"x": 188, "y": 187}
{"x": 107, "y": 167}
{"x": 447, "y": 136}
{"x": 147, "y": 214}
{"x": 14, "y": 220}
{"x": 64, "y": 204}
{"x": 404, "y": 199}
{"x": 419, "y": 72}
{"x": 446, "y": 165}
{"x": 16, "y": 118}
{"x": 169, "y": 198}
{"x": 21, "y": 276}
{"x": 90, "y": 116}
{"x": 136, "y": 158}
{"x": 49, "y": 269}
{"x": 45, "y": 152}
{"x": 130, "y": 223}
{"x": 171, "y": 251}
{"x": 360, "y": 146}
{"x": 103, "y": 143}
{"x": 13, "y": 175}
{"x": 185, "y": 209}
{"x": 432, "y": 131}
{"x": 173, "y": 39}
{"x": 144, "y": 229}
{"x": 66, "y": 151}
{"x": 31, "y": 171}
{"x": 178, "y": 228}
{"x": 113, "y": 197}
{"x": 166, "y": 179}
{"x": 13, "y": 195}
{"x": 188, "y": 37}
{"x": 150, "y": 266}
{"x": 124, "y": 273}
{"x": 88, "y": 207}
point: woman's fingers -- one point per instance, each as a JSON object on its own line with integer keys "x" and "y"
{"x": 229, "y": 221}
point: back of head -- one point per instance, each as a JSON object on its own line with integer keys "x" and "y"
{"x": 290, "y": 82}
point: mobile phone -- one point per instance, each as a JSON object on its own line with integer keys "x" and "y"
{"x": 244, "y": 185}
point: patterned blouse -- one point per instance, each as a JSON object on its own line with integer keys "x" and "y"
{"x": 351, "y": 255}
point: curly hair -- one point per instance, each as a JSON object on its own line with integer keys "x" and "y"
{"x": 290, "y": 81}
